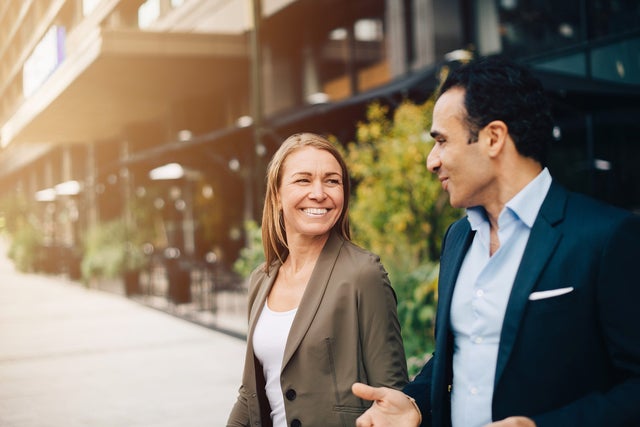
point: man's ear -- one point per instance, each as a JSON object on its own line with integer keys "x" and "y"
{"x": 497, "y": 132}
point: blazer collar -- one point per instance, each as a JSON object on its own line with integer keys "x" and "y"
{"x": 261, "y": 297}
{"x": 543, "y": 240}
{"x": 313, "y": 294}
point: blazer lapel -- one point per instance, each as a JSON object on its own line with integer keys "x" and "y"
{"x": 542, "y": 242}
{"x": 260, "y": 299}
{"x": 312, "y": 295}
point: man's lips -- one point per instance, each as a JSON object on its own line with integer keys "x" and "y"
{"x": 444, "y": 181}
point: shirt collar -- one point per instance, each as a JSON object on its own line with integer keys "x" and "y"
{"x": 525, "y": 205}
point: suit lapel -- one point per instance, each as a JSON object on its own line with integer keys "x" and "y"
{"x": 542, "y": 242}
{"x": 312, "y": 295}
{"x": 457, "y": 244}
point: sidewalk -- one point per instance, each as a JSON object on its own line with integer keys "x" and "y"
{"x": 77, "y": 357}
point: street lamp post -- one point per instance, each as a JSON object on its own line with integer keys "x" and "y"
{"x": 255, "y": 163}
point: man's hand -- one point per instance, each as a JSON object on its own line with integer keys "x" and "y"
{"x": 513, "y": 422}
{"x": 391, "y": 408}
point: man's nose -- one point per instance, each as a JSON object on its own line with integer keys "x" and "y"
{"x": 433, "y": 159}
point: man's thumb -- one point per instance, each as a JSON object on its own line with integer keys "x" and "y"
{"x": 367, "y": 392}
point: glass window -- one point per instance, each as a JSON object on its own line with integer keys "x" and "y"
{"x": 529, "y": 27}
{"x": 371, "y": 64}
{"x": 568, "y": 155}
{"x": 569, "y": 64}
{"x": 609, "y": 17}
{"x": 352, "y": 57}
{"x": 618, "y": 62}
{"x": 596, "y": 154}
{"x": 148, "y": 12}
{"x": 616, "y": 176}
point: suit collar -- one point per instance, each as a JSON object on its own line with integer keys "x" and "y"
{"x": 543, "y": 240}
{"x": 457, "y": 242}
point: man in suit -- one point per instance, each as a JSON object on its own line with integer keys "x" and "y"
{"x": 538, "y": 290}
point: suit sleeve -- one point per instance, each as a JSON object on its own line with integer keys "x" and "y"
{"x": 420, "y": 390}
{"x": 381, "y": 341}
{"x": 618, "y": 298}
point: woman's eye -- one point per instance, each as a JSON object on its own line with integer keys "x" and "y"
{"x": 333, "y": 181}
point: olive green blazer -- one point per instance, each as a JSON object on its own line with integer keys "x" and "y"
{"x": 345, "y": 330}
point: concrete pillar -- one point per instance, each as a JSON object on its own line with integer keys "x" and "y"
{"x": 90, "y": 199}
{"x": 424, "y": 35}
{"x": 396, "y": 38}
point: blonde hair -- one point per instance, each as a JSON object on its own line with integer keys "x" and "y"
{"x": 274, "y": 237}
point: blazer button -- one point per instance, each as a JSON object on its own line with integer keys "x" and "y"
{"x": 291, "y": 395}
{"x": 296, "y": 423}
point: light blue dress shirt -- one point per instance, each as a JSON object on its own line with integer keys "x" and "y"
{"x": 480, "y": 300}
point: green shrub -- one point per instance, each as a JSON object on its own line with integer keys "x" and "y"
{"x": 252, "y": 255}
{"x": 111, "y": 249}
{"x": 26, "y": 247}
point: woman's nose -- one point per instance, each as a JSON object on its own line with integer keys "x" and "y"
{"x": 317, "y": 191}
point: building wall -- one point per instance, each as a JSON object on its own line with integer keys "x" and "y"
{"x": 174, "y": 90}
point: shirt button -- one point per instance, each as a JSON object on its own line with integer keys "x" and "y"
{"x": 290, "y": 394}
{"x": 479, "y": 293}
{"x": 473, "y": 390}
{"x": 478, "y": 340}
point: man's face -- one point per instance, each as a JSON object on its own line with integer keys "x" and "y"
{"x": 462, "y": 166}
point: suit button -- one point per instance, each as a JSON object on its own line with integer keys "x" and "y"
{"x": 290, "y": 394}
{"x": 296, "y": 423}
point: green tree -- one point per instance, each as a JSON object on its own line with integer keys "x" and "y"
{"x": 400, "y": 212}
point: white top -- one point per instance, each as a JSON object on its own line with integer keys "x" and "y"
{"x": 269, "y": 340}
{"x": 480, "y": 300}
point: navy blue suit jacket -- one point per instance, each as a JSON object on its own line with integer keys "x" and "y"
{"x": 569, "y": 360}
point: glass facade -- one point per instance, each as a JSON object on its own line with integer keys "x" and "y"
{"x": 530, "y": 27}
{"x": 351, "y": 54}
{"x": 596, "y": 147}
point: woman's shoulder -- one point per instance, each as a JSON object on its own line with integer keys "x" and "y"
{"x": 358, "y": 260}
{"x": 356, "y": 250}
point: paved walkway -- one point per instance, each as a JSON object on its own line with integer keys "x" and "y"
{"x": 77, "y": 357}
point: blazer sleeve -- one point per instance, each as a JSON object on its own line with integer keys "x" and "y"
{"x": 618, "y": 291}
{"x": 239, "y": 416}
{"x": 380, "y": 338}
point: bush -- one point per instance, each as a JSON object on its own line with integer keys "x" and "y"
{"x": 252, "y": 255}
{"x": 26, "y": 247}
{"x": 400, "y": 212}
{"x": 111, "y": 249}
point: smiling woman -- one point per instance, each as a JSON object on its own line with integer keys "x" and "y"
{"x": 311, "y": 196}
{"x": 322, "y": 313}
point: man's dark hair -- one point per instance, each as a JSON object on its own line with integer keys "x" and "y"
{"x": 497, "y": 88}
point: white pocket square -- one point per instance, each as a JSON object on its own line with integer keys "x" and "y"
{"x": 550, "y": 293}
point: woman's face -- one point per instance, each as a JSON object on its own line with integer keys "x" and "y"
{"x": 311, "y": 193}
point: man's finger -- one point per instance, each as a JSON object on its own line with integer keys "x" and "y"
{"x": 367, "y": 392}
